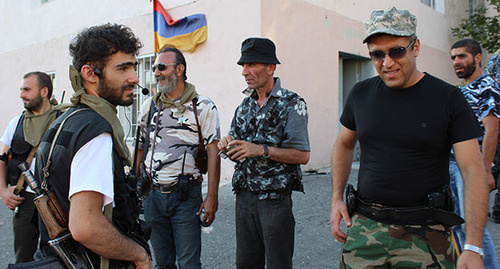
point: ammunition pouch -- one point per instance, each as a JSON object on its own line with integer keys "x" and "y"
{"x": 439, "y": 209}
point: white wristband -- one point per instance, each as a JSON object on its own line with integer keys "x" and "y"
{"x": 473, "y": 248}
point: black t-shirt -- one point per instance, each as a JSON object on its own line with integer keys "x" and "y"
{"x": 405, "y": 137}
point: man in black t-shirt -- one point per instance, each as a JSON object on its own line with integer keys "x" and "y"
{"x": 406, "y": 122}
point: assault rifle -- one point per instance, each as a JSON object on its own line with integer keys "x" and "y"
{"x": 71, "y": 253}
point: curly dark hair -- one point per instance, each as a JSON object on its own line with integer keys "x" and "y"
{"x": 96, "y": 44}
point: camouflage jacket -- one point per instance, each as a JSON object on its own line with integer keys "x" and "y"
{"x": 267, "y": 125}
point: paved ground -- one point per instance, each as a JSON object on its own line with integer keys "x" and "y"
{"x": 314, "y": 244}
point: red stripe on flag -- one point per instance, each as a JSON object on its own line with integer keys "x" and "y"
{"x": 158, "y": 7}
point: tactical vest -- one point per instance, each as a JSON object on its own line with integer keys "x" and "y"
{"x": 82, "y": 127}
{"x": 20, "y": 150}
{"x": 260, "y": 174}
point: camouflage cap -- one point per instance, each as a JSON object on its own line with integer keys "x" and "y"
{"x": 393, "y": 21}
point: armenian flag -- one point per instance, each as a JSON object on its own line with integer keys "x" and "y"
{"x": 184, "y": 34}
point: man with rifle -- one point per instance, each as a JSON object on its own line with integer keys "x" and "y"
{"x": 20, "y": 141}
{"x": 83, "y": 161}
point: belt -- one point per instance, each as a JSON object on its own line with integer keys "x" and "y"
{"x": 174, "y": 186}
{"x": 407, "y": 215}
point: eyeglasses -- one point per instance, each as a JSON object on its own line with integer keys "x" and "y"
{"x": 162, "y": 66}
{"x": 396, "y": 53}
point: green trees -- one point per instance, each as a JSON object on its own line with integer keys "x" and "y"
{"x": 485, "y": 29}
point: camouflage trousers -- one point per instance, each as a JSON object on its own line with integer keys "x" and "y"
{"x": 372, "y": 244}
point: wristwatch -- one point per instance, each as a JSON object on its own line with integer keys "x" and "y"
{"x": 473, "y": 248}
{"x": 266, "y": 151}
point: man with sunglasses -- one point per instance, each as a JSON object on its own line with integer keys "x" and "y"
{"x": 483, "y": 95}
{"x": 174, "y": 205}
{"x": 406, "y": 122}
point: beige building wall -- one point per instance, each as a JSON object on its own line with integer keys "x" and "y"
{"x": 309, "y": 35}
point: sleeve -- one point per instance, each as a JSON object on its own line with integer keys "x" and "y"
{"x": 463, "y": 123}
{"x": 232, "y": 132}
{"x": 489, "y": 100}
{"x": 8, "y": 134}
{"x": 209, "y": 122}
{"x": 92, "y": 168}
{"x": 297, "y": 136}
{"x": 347, "y": 118}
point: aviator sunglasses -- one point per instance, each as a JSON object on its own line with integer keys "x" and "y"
{"x": 162, "y": 66}
{"x": 396, "y": 53}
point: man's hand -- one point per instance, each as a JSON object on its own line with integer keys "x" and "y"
{"x": 210, "y": 205}
{"x": 223, "y": 143}
{"x": 338, "y": 212}
{"x": 9, "y": 198}
{"x": 470, "y": 260}
{"x": 491, "y": 182}
{"x": 144, "y": 263}
{"x": 240, "y": 150}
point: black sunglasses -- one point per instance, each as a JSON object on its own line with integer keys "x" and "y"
{"x": 396, "y": 53}
{"x": 162, "y": 66}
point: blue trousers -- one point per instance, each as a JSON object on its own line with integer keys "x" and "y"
{"x": 457, "y": 187}
{"x": 176, "y": 230}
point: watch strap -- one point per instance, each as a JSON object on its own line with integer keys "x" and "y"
{"x": 266, "y": 151}
{"x": 473, "y": 248}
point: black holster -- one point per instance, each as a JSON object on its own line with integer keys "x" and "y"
{"x": 350, "y": 199}
{"x": 183, "y": 187}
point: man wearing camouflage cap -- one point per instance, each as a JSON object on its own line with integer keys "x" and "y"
{"x": 406, "y": 122}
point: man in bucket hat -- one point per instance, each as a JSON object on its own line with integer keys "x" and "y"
{"x": 406, "y": 122}
{"x": 268, "y": 141}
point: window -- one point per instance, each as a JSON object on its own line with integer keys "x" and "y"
{"x": 129, "y": 115}
{"x": 437, "y": 5}
{"x": 475, "y": 4}
{"x": 52, "y": 75}
{"x": 430, "y": 3}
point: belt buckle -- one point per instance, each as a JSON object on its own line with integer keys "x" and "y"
{"x": 165, "y": 189}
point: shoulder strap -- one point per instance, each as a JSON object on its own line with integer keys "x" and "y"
{"x": 154, "y": 140}
{"x": 146, "y": 140}
{"x": 200, "y": 136}
{"x": 20, "y": 181}
{"x": 45, "y": 169}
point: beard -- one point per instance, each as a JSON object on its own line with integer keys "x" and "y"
{"x": 34, "y": 104}
{"x": 469, "y": 69}
{"x": 114, "y": 94}
{"x": 170, "y": 83}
